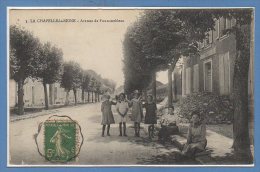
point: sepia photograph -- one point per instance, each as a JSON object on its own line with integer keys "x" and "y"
{"x": 122, "y": 87}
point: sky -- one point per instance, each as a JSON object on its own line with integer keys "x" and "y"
{"x": 94, "y": 45}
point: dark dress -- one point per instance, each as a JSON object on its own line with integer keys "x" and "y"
{"x": 150, "y": 115}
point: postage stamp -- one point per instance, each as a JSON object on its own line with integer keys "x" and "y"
{"x": 60, "y": 140}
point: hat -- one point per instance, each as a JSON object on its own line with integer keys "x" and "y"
{"x": 136, "y": 92}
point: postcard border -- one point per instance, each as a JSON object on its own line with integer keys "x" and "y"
{"x": 7, "y": 86}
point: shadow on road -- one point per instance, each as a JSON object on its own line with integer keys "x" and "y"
{"x": 169, "y": 158}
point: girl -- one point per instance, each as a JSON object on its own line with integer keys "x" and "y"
{"x": 196, "y": 141}
{"x": 122, "y": 109}
{"x": 150, "y": 116}
{"x": 137, "y": 112}
{"x": 107, "y": 115}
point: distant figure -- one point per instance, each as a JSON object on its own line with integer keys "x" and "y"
{"x": 122, "y": 109}
{"x": 107, "y": 115}
{"x": 196, "y": 141}
{"x": 150, "y": 116}
{"x": 137, "y": 112}
{"x": 57, "y": 139}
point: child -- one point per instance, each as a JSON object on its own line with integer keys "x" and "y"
{"x": 196, "y": 140}
{"x": 150, "y": 116}
{"x": 137, "y": 112}
{"x": 168, "y": 128}
{"x": 122, "y": 109}
{"x": 107, "y": 115}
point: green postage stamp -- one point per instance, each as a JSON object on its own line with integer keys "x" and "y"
{"x": 60, "y": 140}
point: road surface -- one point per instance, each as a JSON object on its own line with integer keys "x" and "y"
{"x": 96, "y": 150}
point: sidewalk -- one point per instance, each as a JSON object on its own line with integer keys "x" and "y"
{"x": 218, "y": 146}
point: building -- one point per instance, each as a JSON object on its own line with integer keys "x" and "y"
{"x": 213, "y": 69}
{"x": 34, "y": 94}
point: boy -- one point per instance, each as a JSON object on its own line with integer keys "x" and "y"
{"x": 122, "y": 109}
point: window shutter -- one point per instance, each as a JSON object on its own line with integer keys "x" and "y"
{"x": 233, "y": 22}
{"x": 210, "y": 36}
{"x": 217, "y": 29}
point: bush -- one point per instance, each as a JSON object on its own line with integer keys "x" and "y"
{"x": 214, "y": 109}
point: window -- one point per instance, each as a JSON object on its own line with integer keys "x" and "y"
{"x": 228, "y": 23}
{"x": 208, "y": 75}
{"x": 208, "y": 39}
{"x": 224, "y": 24}
{"x": 233, "y": 22}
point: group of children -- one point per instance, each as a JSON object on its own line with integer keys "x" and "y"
{"x": 122, "y": 107}
{"x": 196, "y": 141}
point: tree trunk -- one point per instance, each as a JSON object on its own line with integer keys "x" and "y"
{"x": 75, "y": 96}
{"x": 241, "y": 142}
{"x": 67, "y": 97}
{"x": 170, "y": 86}
{"x": 83, "y": 96}
{"x": 88, "y": 97}
{"x": 154, "y": 86}
{"x": 92, "y": 97}
{"x": 145, "y": 94}
{"x": 20, "y": 97}
{"x": 46, "y": 96}
{"x": 51, "y": 94}
{"x": 175, "y": 91}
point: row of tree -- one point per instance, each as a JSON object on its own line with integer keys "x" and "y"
{"x": 159, "y": 38}
{"x": 29, "y": 58}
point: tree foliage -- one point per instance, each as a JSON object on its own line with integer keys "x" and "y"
{"x": 85, "y": 80}
{"x": 51, "y": 59}
{"x": 71, "y": 78}
{"x": 24, "y": 54}
{"x": 154, "y": 42}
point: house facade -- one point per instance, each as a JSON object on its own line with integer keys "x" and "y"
{"x": 213, "y": 69}
{"x": 34, "y": 94}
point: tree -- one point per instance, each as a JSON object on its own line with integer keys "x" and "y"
{"x": 92, "y": 88}
{"x": 98, "y": 89}
{"x": 85, "y": 81}
{"x": 51, "y": 59}
{"x": 71, "y": 79}
{"x": 136, "y": 72}
{"x": 24, "y": 59}
{"x": 151, "y": 49}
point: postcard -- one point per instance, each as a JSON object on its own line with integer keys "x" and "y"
{"x": 130, "y": 87}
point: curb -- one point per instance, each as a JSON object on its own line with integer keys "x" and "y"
{"x": 28, "y": 116}
{"x": 42, "y": 113}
